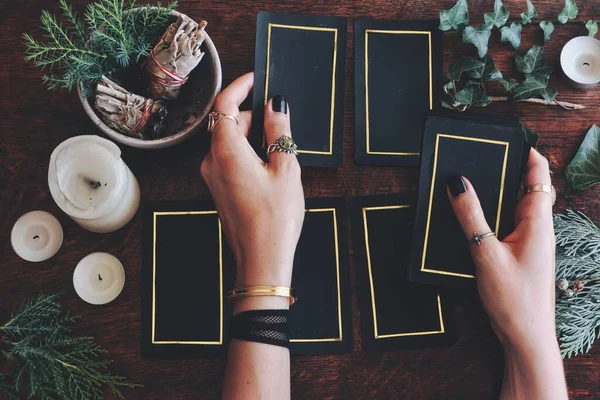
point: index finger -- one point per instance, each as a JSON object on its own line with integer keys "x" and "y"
{"x": 229, "y": 100}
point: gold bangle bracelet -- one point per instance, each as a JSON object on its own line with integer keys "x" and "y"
{"x": 251, "y": 291}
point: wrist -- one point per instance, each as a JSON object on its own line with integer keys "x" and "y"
{"x": 264, "y": 274}
{"x": 260, "y": 303}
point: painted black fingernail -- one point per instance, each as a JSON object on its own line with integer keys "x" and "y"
{"x": 279, "y": 104}
{"x": 456, "y": 184}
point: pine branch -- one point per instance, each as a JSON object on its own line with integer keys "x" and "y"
{"x": 49, "y": 362}
{"x": 577, "y": 260}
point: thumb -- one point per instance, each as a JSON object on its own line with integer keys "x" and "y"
{"x": 469, "y": 213}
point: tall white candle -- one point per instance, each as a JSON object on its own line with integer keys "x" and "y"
{"x": 90, "y": 182}
{"x": 99, "y": 278}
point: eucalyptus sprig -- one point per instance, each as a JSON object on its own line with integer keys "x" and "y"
{"x": 472, "y": 91}
{"x": 48, "y": 361}
{"x": 114, "y": 35}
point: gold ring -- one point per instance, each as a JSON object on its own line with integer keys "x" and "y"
{"x": 215, "y": 117}
{"x": 279, "y": 291}
{"x": 542, "y": 188}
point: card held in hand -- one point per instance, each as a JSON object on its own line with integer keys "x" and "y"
{"x": 398, "y": 73}
{"x": 302, "y": 57}
{"x": 188, "y": 268}
{"x": 490, "y": 155}
{"x": 395, "y": 314}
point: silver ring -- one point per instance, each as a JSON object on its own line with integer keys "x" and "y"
{"x": 477, "y": 238}
{"x": 285, "y": 144}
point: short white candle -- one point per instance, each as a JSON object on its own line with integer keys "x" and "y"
{"x": 580, "y": 61}
{"x": 99, "y": 278}
{"x": 90, "y": 182}
{"x": 36, "y": 236}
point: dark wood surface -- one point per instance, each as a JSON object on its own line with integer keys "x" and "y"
{"x": 33, "y": 121}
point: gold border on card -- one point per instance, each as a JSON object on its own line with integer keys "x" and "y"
{"x": 371, "y": 285}
{"x": 435, "y": 160}
{"x": 368, "y": 128}
{"x": 335, "y": 39}
{"x": 337, "y": 271}
{"x": 220, "y": 341}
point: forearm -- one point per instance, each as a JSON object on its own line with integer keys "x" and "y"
{"x": 534, "y": 372}
{"x": 257, "y": 370}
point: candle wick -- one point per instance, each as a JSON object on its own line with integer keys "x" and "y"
{"x": 36, "y": 237}
{"x": 95, "y": 184}
{"x": 99, "y": 277}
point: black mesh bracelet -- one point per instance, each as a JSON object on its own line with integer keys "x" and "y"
{"x": 262, "y": 326}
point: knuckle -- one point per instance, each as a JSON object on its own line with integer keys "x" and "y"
{"x": 471, "y": 212}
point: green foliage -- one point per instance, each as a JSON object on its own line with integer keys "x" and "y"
{"x": 570, "y": 11}
{"x": 497, "y": 18}
{"x": 114, "y": 38}
{"x": 48, "y": 361}
{"x": 548, "y": 28}
{"x": 577, "y": 259}
{"x": 533, "y": 62}
{"x": 467, "y": 65}
{"x": 455, "y": 18}
{"x": 530, "y": 15}
{"x": 512, "y": 34}
{"x": 508, "y": 85}
{"x": 584, "y": 170}
{"x": 532, "y": 86}
{"x": 531, "y": 137}
{"x": 478, "y": 37}
{"x": 549, "y": 94}
{"x": 592, "y": 28}
{"x": 473, "y": 95}
{"x": 490, "y": 73}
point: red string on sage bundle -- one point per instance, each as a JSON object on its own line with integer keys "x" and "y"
{"x": 171, "y": 78}
{"x": 143, "y": 119}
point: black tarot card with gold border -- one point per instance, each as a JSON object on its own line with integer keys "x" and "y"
{"x": 303, "y": 57}
{"x": 395, "y": 314}
{"x": 489, "y": 153}
{"x": 188, "y": 267}
{"x": 398, "y": 76}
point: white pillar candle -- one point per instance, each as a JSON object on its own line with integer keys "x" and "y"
{"x": 36, "y": 236}
{"x": 580, "y": 61}
{"x": 90, "y": 182}
{"x": 99, "y": 278}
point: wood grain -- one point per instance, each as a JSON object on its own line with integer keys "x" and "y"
{"x": 33, "y": 121}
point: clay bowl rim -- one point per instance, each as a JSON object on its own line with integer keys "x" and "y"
{"x": 169, "y": 140}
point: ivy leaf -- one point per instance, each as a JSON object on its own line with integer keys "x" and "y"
{"x": 531, "y": 137}
{"x": 448, "y": 86}
{"x": 548, "y": 28}
{"x": 455, "y": 18}
{"x": 532, "y": 86}
{"x": 508, "y": 85}
{"x": 512, "y": 34}
{"x": 569, "y": 12}
{"x": 490, "y": 73}
{"x": 584, "y": 170}
{"x": 533, "y": 62}
{"x": 473, "y": 95}
{"x": 478, "y": 37}
{"x": 447, "y": 105}
{"x": 549, "y": 94}
{"x": 498, "y": 17}
{"x": 592, "y": 28}
{"x": 465, "y": 64}
{"x": 530, "y": 15}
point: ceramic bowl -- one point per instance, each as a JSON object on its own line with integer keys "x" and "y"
{"x": 186, "y": 113}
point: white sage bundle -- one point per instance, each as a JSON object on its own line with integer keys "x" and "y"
{"x": 128, "y": 113}
{"x": 175, "y": 55}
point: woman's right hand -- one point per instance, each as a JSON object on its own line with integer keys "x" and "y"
{"x": 516, "y": 281}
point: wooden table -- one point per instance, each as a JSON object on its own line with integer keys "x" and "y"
{"x": 33, "y": 121}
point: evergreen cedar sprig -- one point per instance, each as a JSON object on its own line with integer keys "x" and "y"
{"x": 577, "y": 259}
{"x": 114, "y": 38}
{"x": 48, "y": 361}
